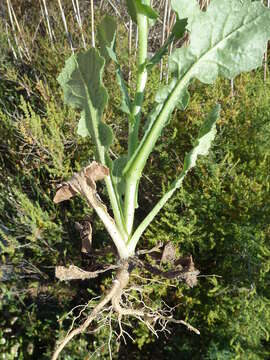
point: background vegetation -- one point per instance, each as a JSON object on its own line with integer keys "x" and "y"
{"x": 221, "y": 216}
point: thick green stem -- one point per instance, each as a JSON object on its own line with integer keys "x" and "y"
{"x": 149, "y": 218}
{"x": 130, "y": 203}
{"x": 134, "y": 119}
{"x": 146, "y": 145}
{"x": 117, "y": 212}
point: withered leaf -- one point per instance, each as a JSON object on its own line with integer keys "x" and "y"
{"x": 191, "y": 278}
{"x": 78, "y": 226}
{"x": 191, "y": 273}
{"x": 91, "y": 173}
{"x": 185, "y": 262}
{"x": 85, "y": 230}
{"x": 184, "y": 269}
{"x": 168, "y": 254}
{"x": 96, "y": 171}
{"x": 75, "y": 273}
{"x": 65, "y": 192}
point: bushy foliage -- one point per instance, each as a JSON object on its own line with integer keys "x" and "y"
{"x": 221, "y": 217}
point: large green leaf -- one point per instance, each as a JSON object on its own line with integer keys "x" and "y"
{"x": 227, "y": 39}
{"x": 81, "y": 80}
{"x": 201, "y": 147}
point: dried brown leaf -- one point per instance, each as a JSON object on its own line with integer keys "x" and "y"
{"x": 184, "y": 269}
{"x": 96, "y": 171}
{"x": 65, "y": 192}
{"x": 169, "y": 253}
{"x": 75, "y": 273}
{"x": 85, "y": 230}
{"x": 191, "y": 273}
{"x": 70, "y": 188}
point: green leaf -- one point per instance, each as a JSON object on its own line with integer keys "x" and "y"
{"x": 227, "y": 39}
{"x": 186, "y": 9}
{"x": 125, "y": 103}
{"x": 119, "y": 179}
{"x": 179, "y": 28}
{"x": 131, "y": 7}
{"x": 106, "y": 34}
{"x": 202, "y": 144}
{"x": 201, "y": 147}
{"x": 107, "y": 40}
{"x": 164, "y": 92}
{"x": 183, "y": 100}
{"x": 81, "y": 80}
{"x": 178, "y": 32}
{"x": 105, "y": 134}
{"x": 135, "y": 7}
{"x": 146, "y": 10}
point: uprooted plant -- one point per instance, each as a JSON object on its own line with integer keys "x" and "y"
{"x": 228, "y": 38}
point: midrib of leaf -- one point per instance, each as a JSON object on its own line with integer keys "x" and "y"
{"x": 139, "y": 158}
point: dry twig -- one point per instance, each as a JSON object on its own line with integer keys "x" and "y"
{"x": 65, "y": 26}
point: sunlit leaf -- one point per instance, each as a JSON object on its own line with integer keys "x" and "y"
{"x": 107, "y": 36}
{"x": 81, "y": 80}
